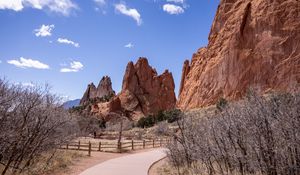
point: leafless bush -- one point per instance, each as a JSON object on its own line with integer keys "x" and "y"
{"x": 90, "y": 124}
{"x": 32, "y": 122}
{"x": 138, "y": 134}
{"x": 115, "y": 125}
{"x": 259, "y": 135}
{"x": 162, "y": 129}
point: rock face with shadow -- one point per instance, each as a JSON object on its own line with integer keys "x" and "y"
{"x": 144, "y": 91}
{"x": 104, "y": 90}
{"x": 251, "y": 44}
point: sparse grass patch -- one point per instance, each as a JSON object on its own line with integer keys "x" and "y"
{"x": 59, "y": 162}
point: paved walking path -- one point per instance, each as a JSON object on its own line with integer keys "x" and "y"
{"x": 135, "y": 164}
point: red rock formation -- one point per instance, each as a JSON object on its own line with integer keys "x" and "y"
{"x": 90, "y": 93}
{"x": 251, "y": 44}
{"x": 104, "y": 89}
{"x": 107, "y": 109}
{"x": 144, "y": 92}
{"x": 185, "y": 72}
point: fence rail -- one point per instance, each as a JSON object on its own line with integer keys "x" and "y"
{"x": 124, "y": 146}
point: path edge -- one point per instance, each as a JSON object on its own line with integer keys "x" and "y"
{"x": 155, "y": 163}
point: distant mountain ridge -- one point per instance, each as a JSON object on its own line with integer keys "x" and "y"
{"x": 71, "y": 103}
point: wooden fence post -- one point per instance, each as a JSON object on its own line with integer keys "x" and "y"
{"x": 144, "y": 144}
{"x": 90, "y": 148}
{"x": 79, "y": 145}
{"x": 99, "y": 149}
{"x": 67, "y": 146}
{"x": 120, "y": 147}
{"x": 132, "y": 145}
{"x": 153, "y": 143}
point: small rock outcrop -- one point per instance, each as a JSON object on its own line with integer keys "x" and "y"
{"x": 104, "y": 90}
{"x": 107, "y": 109}
{"x": 251, "y": 44}
{"x": 144, "y": 91}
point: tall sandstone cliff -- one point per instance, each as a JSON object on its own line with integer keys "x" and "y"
{"x": 252, "y": 43}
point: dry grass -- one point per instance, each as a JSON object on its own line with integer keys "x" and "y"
{"x": 164, "y": 167}
{"x": 62, "y": 160}
{"x": 45, "y": 166}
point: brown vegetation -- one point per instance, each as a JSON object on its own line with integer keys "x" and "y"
{"x": 259, "y": 135}
{"x": 32, "y": 123}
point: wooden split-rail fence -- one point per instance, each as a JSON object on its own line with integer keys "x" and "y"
{"x": 123, "y": 146}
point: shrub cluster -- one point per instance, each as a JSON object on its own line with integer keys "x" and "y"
{"x": 86, "y": 107}
{"x": 32, "y": 123}
{"x": 169, "y": 116}
{"x": 103, "y": 99}
{"x": 77, "y": 109}
{"x": 221, "y": 104}
{"x": 259, "y": 135}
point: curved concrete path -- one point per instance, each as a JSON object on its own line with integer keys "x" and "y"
{"x": 135, "y": 164}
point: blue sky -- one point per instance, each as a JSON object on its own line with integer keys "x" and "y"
{"x": 70, "y": 43}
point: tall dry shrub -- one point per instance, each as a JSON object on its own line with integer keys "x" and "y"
{"x": 32, "y": 122}
{"x": 258, "y": 135}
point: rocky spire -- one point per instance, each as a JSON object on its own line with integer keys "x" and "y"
{"x": 89, "y": 93}
{"x": 104, "y": 89}
{"x": 143, "y": 91}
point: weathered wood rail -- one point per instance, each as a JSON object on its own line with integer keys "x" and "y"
{"x": 124, "y": 146}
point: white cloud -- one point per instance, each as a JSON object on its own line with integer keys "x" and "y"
{"x": 133, "y": 13}
{"x": 173, "y": 9}
{"x": 44, "y": 30}
{"x": 75, "y": 66}
{"x": 100, "y": 2}
{"x": 101, "y": 6}
{"x": 63, "y": 7}
{"x": 28, "y": 63}
{"x": 129, "y": 45}
{"x": 15, "y": 5}
{"x": 177, "y": 1}
{"x": 66, "y": 41}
